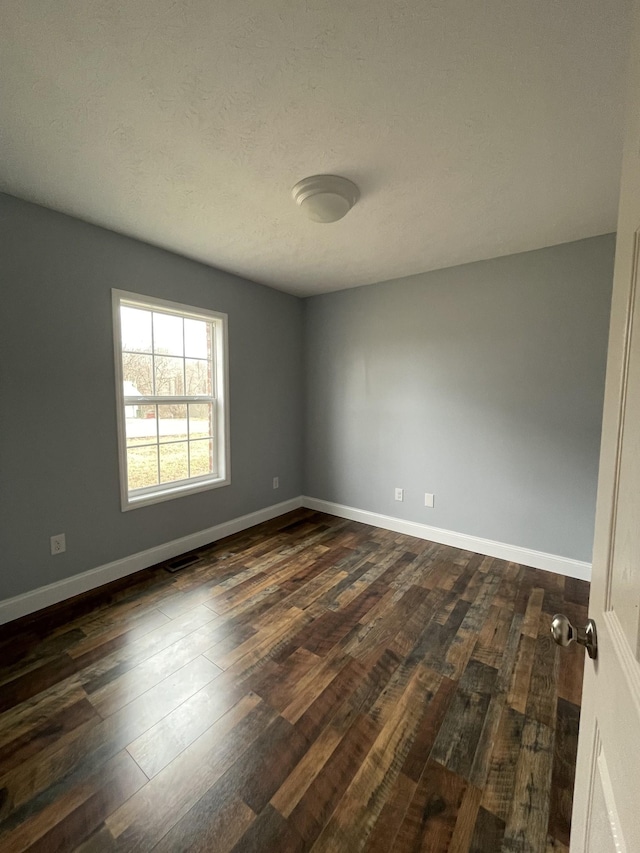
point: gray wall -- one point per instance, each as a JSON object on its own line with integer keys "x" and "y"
{"x": 482, "y": 384}
{"x": 58, "y": 446}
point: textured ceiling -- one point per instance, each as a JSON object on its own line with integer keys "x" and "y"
{"x": 474, "y": 128}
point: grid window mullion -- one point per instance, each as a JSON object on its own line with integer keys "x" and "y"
{"x": 184, "y": 373}
{"x": 153, "y": 369}
{"x": 157, "y": 436}
{"x": 214, "y": 440}
{"x": 212, "y": 342}
{"x": 188, "y": 431}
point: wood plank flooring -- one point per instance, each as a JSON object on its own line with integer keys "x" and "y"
{"x": 309, "y": 684}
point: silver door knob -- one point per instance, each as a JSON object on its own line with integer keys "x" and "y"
{"x": 563, "y": 633}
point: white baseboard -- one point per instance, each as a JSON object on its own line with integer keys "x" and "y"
{"x": 44, "y": 596}
{"x": 513, "y": 553}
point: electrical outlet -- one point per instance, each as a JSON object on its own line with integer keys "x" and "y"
{"x": 58, "y": 543}
{"x": 428, "y": 500}
{"x": 399, "y": 494}
{"x": 276, "y": 482}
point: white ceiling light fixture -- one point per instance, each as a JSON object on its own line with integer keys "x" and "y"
{"x": 325, "y": 198}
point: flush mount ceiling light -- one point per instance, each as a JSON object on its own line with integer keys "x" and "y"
{"x": 325, "y": 198}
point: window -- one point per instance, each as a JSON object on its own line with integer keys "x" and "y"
{"x": 171, "y": 383}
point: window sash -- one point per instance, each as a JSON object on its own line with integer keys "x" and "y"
{"x": 218, "y": 365}
{"x": 177, "y": 485}
{"x": 168, "y": 401}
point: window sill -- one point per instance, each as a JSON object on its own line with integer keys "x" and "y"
{"x": 168, "y": 494}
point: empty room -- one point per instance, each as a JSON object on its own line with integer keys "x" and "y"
{"x": 319, "y": 426}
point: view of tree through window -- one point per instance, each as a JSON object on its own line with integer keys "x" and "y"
{"x": 169, "y": 396}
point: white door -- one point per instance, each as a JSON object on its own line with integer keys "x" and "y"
{"x": 606, "y": 814}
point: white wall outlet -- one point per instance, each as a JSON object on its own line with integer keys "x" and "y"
{"x": 399, "y": 494}
{"x": 276, "y": 482}
{"x": 58, "y": 543}
{"x": 428, "y": 500}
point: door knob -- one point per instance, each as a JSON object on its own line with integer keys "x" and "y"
{"x": 563, "y": 633}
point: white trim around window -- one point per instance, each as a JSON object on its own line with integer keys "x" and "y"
{"x": 172, "y": 393}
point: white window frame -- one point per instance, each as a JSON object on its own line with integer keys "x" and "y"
{"x": 169, "y": 491}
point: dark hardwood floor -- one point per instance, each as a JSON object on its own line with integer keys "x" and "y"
{"x": 311, "y": 683}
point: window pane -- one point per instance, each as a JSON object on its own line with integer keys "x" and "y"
{"x": 200, "y": 420}
{"x": 136, "y": 373}
{"x": 172, "y": 422}
{"x": 198, "y": 377}
{"x": 167, "y": 334}
{"x": 202, "y": 457}
{"x": 169, "y": 376}
{"x": 197, "y": 335}
{"x": 174, "y": 463}
{"x": 142, "y": 466}
{"x": 135, "y": 324}
{"x": 140, "y": 425}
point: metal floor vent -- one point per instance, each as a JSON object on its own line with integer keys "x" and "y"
{"x": 181, "y": 562}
